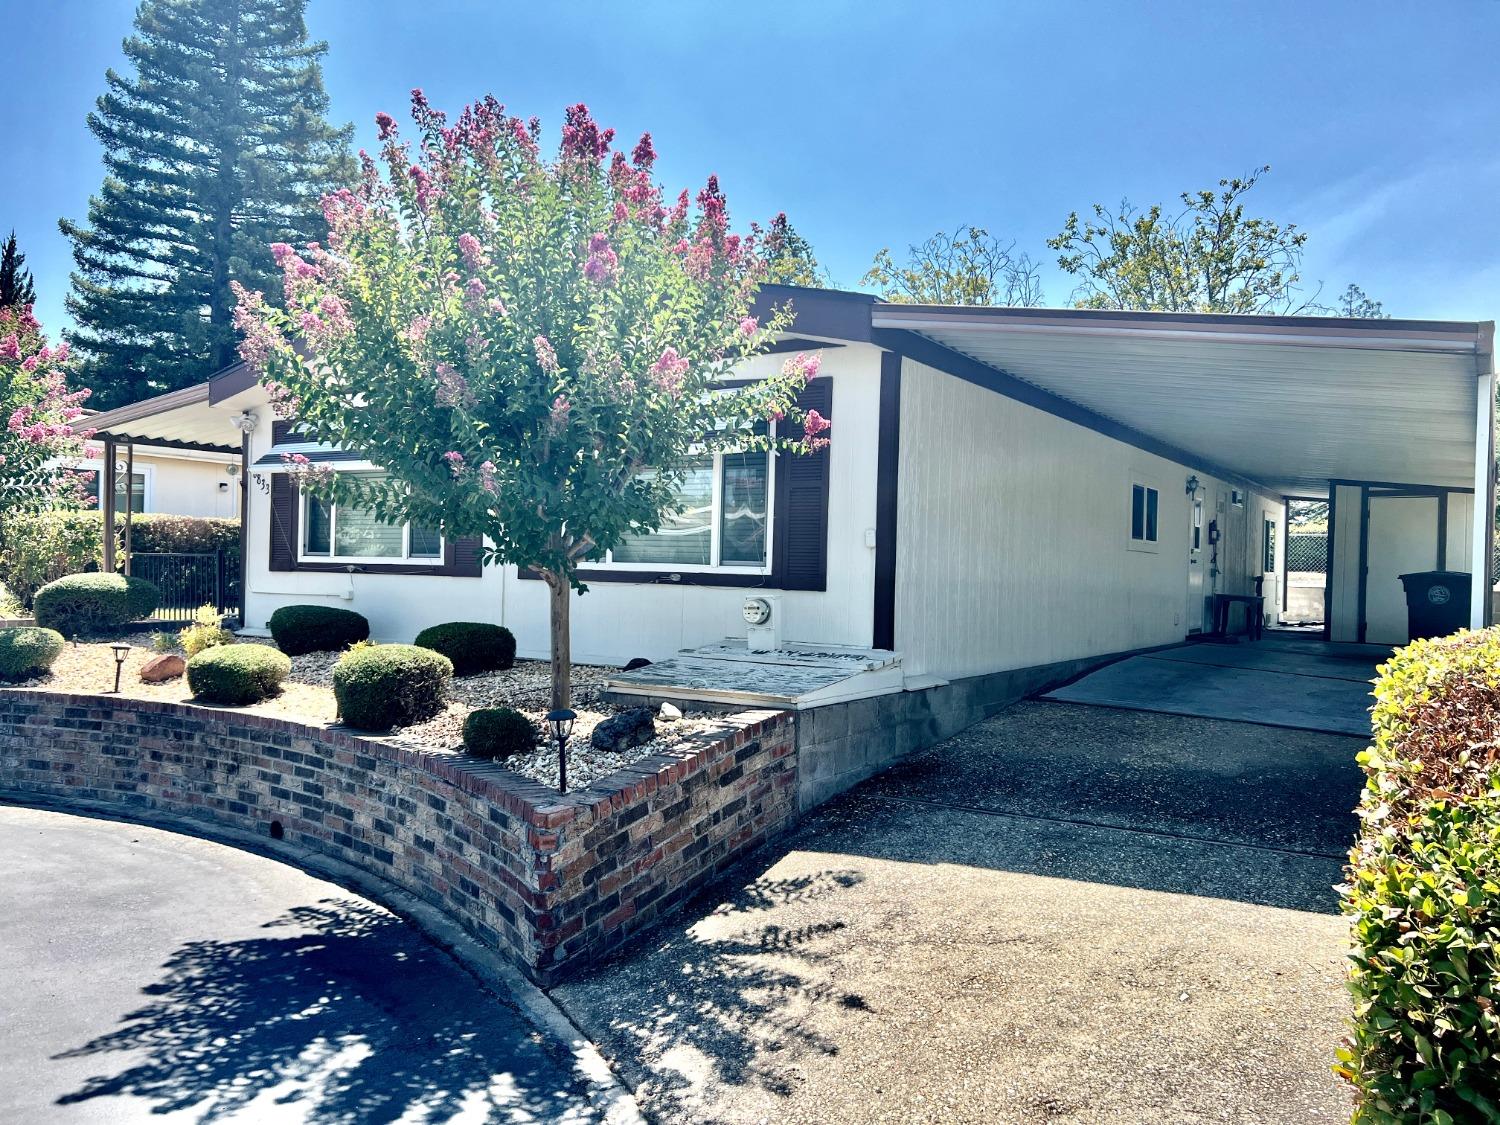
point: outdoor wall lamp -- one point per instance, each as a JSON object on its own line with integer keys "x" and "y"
{"x": 1192, "y": 484}
{"x": 245, "y": 422}
{"x": 561, "y": 723}
{"x": 121, "y": 651}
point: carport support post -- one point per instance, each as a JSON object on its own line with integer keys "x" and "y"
{"x": 107, "y": 501}
{"x": 129, "y": 497}
{"x": 1484, "y": 500}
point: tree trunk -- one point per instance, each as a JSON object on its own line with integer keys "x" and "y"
{"x": 562, "y": 649}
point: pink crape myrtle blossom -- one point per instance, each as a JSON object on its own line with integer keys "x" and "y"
{"x": 546, "y": 355}
{"x": 603, "y": 263}
{"x": 669, "y": 371}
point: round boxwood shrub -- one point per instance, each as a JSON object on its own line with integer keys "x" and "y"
{"x": 499, "y": 732}
{"x": 81, "y": 604}
{"x": 28, "y": 652}
{"x": 390, "y": 685}
{"x": 237, "y": 674}
{"x": 473, "y": 646}
{"x": 298, "y": 629}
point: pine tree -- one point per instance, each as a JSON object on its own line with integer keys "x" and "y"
{"x": 217, "y": 147}
{"x": 16, "y": 288}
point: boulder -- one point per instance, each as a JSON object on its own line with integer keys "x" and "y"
{"x": 165, "y": 666}
{"x": 636, "y": 662}
{"x": 622, "y": 731}
{"x": 670, "y": 712}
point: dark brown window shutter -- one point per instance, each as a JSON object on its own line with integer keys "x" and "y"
{"x": 281, "y": 430}
{"x": 461, "y": 557}
{"x": 800, "y": 546}
{"x": 283, "y": 522}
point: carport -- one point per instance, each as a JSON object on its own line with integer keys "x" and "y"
{"x": 1391, "y": 421}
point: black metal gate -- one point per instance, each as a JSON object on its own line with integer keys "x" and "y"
{"x": 188, "y": 581}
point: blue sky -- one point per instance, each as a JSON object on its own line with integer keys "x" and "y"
{"x": 876, "y": 123}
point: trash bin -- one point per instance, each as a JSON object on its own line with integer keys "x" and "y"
{"x": 1437, "y": 602}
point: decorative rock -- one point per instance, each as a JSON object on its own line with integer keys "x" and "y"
{"x": 622, "y": 731}
{"x": 166, "y": 666}
{"x": 636, "y": 662}
{"x": 670, "y": 713}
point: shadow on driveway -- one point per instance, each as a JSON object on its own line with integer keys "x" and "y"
{"x": 1063, "y": 914}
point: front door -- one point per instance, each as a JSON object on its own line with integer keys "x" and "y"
{"x": 1195, "y": 602}
{"x": 1402, "y": 537}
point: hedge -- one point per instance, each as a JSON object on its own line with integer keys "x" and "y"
{"x": 299, "y": 629}
{"x": 42, "y": 547}
{"x": 473, "y": 646}
{"x": 237, "y": 674}
{"x": 383, "y": 686}
{"x": 1423, "y": 890}
{"x": 28, "y": 652}
{"x": 83, "y": 604}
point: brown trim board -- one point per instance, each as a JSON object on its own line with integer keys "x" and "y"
{"x": 887, "y": 479}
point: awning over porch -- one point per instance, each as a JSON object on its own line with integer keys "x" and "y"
{"x": 1288, "y": 403}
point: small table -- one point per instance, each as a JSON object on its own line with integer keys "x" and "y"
{"x": 1254, "y": 609}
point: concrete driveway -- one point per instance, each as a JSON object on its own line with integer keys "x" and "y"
{"x": 155, "y": 977}
{"x": 1287, "y": 680}
{"x": 1066, "y": 913}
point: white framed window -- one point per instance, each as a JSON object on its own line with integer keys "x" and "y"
{"x": 723, "y": 522}
{"x": 1145, "y": 516}
{"x": 341, "y": 532}
{"x": 140, "y": 485}
{"x": 1197, "y": 524}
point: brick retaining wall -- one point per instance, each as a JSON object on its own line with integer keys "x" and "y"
{"x": 549, "y": 880}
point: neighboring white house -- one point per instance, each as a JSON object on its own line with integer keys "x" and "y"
{"x": 177, "y": 482}
{"x": 1005, "y": 489}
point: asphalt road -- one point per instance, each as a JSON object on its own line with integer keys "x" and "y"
{"x": 154, "y": 977}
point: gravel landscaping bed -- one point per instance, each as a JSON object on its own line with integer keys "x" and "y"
{"x": 307, "y": 696}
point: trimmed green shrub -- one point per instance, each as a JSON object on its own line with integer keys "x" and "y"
{"x": 473, "y": 646}
{"x": 298, "y": 629}
{"x": 28, "y": 652}
{"x": 1423, "y": 890}
{"x": 390, "y": 685}
{"x": 237, "y": 674}
{"x": 83, "y": 604}
{"x": 499, "y": 732}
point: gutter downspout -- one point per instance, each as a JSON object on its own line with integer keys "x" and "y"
{"x": 129, "y": 497}
{"x": 107, "y": 495}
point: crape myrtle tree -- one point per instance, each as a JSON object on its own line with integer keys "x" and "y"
{"x": 531, "y": 348}
{"x": 42, "y": 421}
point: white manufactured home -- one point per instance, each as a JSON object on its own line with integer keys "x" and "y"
{"x": 1006, "y": 490}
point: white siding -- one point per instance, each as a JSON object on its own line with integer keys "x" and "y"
{"x": 1460, "y": 530}
{"x": 1013, "y": 536}
{"x": 183, "y": 486}
{"x": 614, "y": 622}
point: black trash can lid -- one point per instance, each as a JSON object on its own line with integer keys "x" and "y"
{"x": 1435, "y": 575}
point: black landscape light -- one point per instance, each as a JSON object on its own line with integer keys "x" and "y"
{"x": 561, "y": 723}
{"x": 121, "y": 651}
